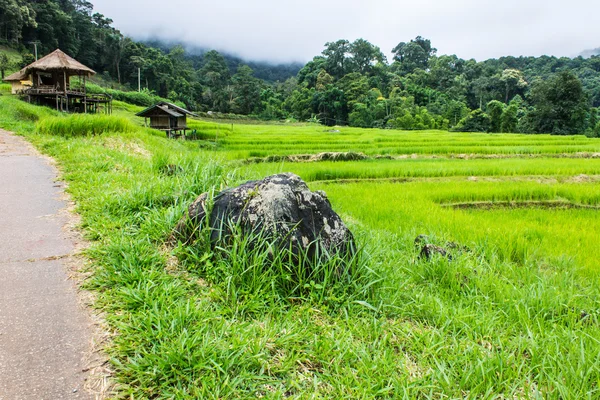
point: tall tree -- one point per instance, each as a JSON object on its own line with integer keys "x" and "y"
{"x": 214, "y": 75}
{"x": 337, "y": 55}
{"x": 414, "y": 54}
{"x": 247, "y": 90}
{"x": 514, "y": 81}
{"x": 4, "y": 64}
{"x": 365, "y": 55}
{"x": 560, "y": 105}
{"x": 14, "y": 16}
{"x": 495, "y": 109}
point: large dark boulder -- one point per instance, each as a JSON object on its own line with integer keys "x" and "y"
{"x": 280, "y": 207}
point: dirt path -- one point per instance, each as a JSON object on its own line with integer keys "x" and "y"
{"x": 44, "y": 332}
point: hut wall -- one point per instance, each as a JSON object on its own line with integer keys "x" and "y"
{"x": 17, "y": 87}
{"x": 181, "y": 122}
{"x": 159, "y": 122}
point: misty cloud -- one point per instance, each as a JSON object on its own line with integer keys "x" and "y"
{"x": 282, "y": 31}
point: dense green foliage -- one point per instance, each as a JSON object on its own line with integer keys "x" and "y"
{"x": 350, "y": 83}
{"x": 514, "y": 316}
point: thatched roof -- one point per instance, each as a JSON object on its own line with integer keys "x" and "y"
{"x": 168, "y": 108}
{"x": 16, "y": 77}
{"x": 59, "y": 61}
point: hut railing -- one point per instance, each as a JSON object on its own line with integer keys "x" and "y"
{"x": 52, "y": 90}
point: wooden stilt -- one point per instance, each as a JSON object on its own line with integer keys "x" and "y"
{"x": 84, "y": 97}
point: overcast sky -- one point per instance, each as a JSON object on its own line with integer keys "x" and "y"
{"x": 281, "y": 31}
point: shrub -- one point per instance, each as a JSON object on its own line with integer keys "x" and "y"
{"x": 476, "y": 121}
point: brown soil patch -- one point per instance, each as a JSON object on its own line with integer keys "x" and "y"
{"x": 327, "y": 156}
{"x": 583, "y": 178}
{"x": 353, "y": 156}
{"x": 493, "y": 205}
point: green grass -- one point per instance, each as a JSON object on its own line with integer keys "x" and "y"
{"x": 515, "y": 317}
{"x": 82, "y": 125}
{"x": 14, "y": 59}
{"x": 398, "y": 169}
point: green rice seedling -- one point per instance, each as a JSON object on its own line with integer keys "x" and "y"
{"x": 83, "y": 125}
{"x": 415, "y": 168}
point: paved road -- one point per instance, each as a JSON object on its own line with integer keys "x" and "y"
{"x": 44, "y": 333}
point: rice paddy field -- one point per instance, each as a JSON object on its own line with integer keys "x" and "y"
{"x": 513, "y": 315}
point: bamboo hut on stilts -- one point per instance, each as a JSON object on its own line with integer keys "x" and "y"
{"x": 47, "y": 81}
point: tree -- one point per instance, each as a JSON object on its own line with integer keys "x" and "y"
{"x": 455, "y": 112}
{"x": 331, "y": 106}
{"x": 323, "y": 80}
{"x": 513, "y": 80}
{"x": 300, "y": 103}
{"x": 4, "y": 64}
{"x": 355, "y": 87}
{"x": 495, "y": 109}
{"x": 485, "y": 89}
{"x": 247, "y": 90}
{"x": 476, "y": 121}
{"x": 365, "y": 55}
{"x": 414, "y": 54}
{"x": 214, "y": 75}
{"x": 14, "y": 16}
{"x": 309, "y": 73}
{"x": 337, "y": 55}
{"x": 560, "y": 105}
{"x": 510, "y": 119}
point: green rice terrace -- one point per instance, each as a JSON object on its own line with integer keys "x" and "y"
{"x": 514, "y": 314}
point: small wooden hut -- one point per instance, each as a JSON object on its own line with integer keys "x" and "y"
{"x": 19, "y": 82}
{"x": 166, "y": 117}
{"x": 48, "y": 81}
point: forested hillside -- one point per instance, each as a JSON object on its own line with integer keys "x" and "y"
{"x": 349, "y": 83}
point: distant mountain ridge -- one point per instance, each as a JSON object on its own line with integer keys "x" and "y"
{"x": 589, "y": 53}
{"x": 269, "y": 72}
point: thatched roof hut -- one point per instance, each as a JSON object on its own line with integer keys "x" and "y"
{"x": 59, "y": 61}
{"x": 47, "y": 81}
{"x": 19, "y": 81}
{"x": 16, "y": 77}
{"x": 53, "y": 70}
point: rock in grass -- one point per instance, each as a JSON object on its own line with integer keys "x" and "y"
{"x": 428, "y": 250}
{"x": 281, "y": 206}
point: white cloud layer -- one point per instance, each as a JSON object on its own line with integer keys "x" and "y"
{"x": 281, "y": 31}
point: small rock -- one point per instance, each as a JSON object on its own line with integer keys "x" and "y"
{"x": 429, "y": 250}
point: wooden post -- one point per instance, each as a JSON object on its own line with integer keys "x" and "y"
{"x": 84, "y": 96}
{"x": 65, "y": 89}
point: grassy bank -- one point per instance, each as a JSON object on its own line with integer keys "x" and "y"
{"x": 515, "y": 316}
